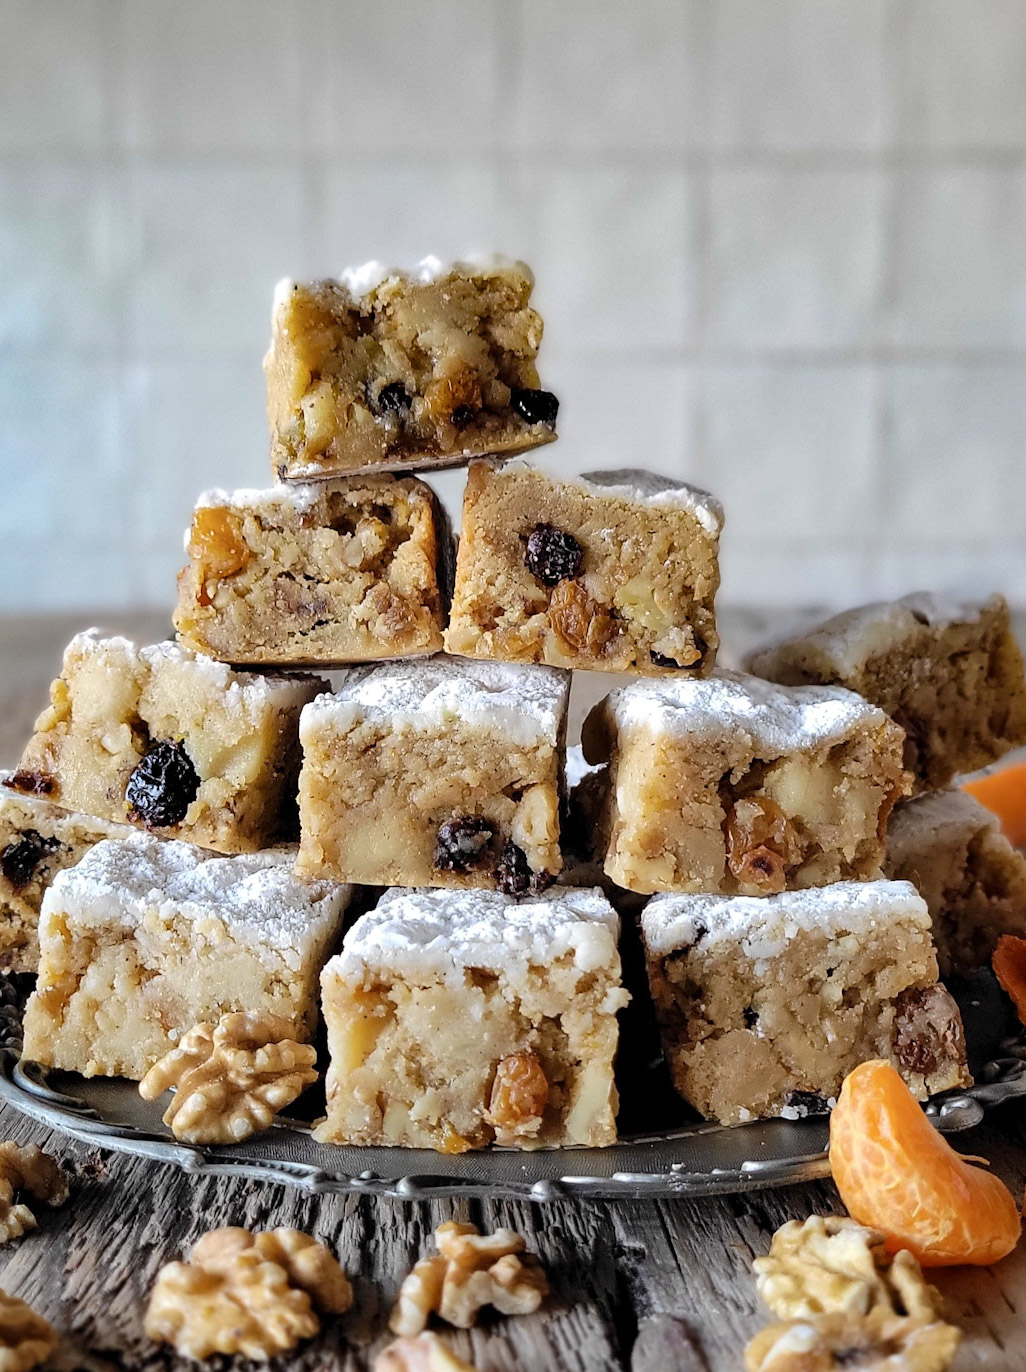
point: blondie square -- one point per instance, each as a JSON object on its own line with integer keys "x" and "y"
{"x": 145, "y": 938}
{"x": 733, "y": 785}
{"x": 174, "y": 742}
{"x": 953, "y": 852}
{"x": 460, "y": 1018}
{"x": 612, "y": 571}
{"x": 385, "y": 370}
{"x": 435, "y": 773}
{"x": 328, "y": 572}
{"x": 950, "y": 674}
{"x": 765, "y": 1004}
{"x": 37, "y": 840}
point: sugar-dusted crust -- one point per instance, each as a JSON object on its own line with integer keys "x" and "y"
{"x": 115, "y": 702}
{"x": 145, "y": 938}
{"x": 733, "y": 785}
{"x": 403, "y": 752}
{"x": 451, "y": 345}
{"x": 435, "y": 990}
{"x": 637, "y": 595}
{"x": 37, "y": 840}
{"x": 328, "y": 572}
{"x": 950, "y": 673}
{"x": 766, "y": 1004}
{"x": 972, "y": 879}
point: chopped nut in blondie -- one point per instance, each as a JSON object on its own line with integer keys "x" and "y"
{"x": 231, "y": 1080}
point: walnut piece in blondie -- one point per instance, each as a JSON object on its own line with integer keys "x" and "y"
{"x": 30, "y": 1171}
{"x": 950, "y": 674}
{"x": 611, "y": 571}
{"x": 384, "y": 370}
{"x": 171, "y": 741}
{"x": 336, "y": 571}
{"x": 878, "y": 1342}
{"x": 26, "y": 1339}
{"x": 425, "y": 1352}
{"x": 231, "y": 1080}
{"x": 146, "y": 938}
{"x": 733, "y": 785}
{"x": 461, "y": 1018}
{"x": 470, "y": 1271}
{"x": 249, "y": 1294}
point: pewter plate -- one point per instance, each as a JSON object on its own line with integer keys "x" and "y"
{"x": 687, "y": 1159}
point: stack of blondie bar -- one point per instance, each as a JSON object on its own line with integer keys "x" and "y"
{"x": 193, "y": 823}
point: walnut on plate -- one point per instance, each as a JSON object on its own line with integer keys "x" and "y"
{"x": 470, "y": 1270}
{"x": 231, "y": 1081}
{"x": 877, "y": 1342}
{"x": 832, "y": 1264}
{"x": 28, "y": 1170}
{"x": 251, "y": 1294}
{"x": 26, "y": 1339}
{"x": 424, "y": 1353}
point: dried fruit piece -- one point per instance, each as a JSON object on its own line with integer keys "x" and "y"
{"x": 393, "y": 399}
{"x": 896, "y": 1173}
{"x": 216, "y": 543}
{"x": 1009, "y": 964}
{"x": 520, "y": 1093}
{"x": 462, "y": 843}
{"x": 927, "y": 1029}
{"x": 34, "y": 783}
{"x": 581, "y": 624}
{"x": 513, "y": 873}
{"x": 760, "y": 844}
{"x": 19, "y": 861}
{"x": 537, "y": 407}
{"x": 552, "y": 555}
{"x": 163, "y": 786}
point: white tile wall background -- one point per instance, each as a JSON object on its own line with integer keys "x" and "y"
{"x": 780, "y": 248}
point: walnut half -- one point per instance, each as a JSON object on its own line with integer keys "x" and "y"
{"x": 26, "y": 1339}
{"x": 27, "y": 1170}
{"x": 231, "y": 1081}
{"x": 424, "y": 1353}
{"x": 878, "y": 1340}
{"x": 471, "y": 1270}
{"x": 243, "y": 1293}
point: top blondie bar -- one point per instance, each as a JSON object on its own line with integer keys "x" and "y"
{"x": 389, "y": 370}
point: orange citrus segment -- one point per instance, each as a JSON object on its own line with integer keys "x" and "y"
{"x": 1009, "y": 963}
{"x": 895, "y": 1173}
{"x": 1004, "y": 793}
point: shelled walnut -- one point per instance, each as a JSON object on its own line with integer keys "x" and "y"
{"x": 26, "y": 1339}
{"x": 424, "y": 1353}
{"x": 470, "y": 1271}
{"x": 249, "y": 1294}
{"x": 888, "y": 1343}
{"x": 230, "y": 1081}
{"x": 30, "y": 1171}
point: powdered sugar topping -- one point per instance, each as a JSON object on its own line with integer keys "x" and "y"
{"x": 363, "y": 280}
{"x": 649, "y": 488}
{"x": 297, "y": 496}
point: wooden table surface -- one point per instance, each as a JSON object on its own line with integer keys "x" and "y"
{"x": 653, "y": 1286}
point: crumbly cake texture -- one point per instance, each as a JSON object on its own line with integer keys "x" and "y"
{"x": 37, "y": 840}
{"x": 386, "y": 369}
{"x": 734, "y": 785}
{"x": 972, "y": 879}
{"x": 460, "y": 1018}
{"x": 766, "y": 1004}
{"x": 330, "y": 572}
{"x": 613, "y": 571}
{"x": 435, "y": 773}
{"x": 950, "y": 673}
{"x": 146, "y": 938}
{"x": 172, "y": 741}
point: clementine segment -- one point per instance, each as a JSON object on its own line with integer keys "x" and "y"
{"x": 1009, "y": 963}
{"x": 895, "y": 1173}
{"x": 1004, "y": 793}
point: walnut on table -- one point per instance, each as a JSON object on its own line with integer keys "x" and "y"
{"x": 231, "y": 1081}
{"x": 26, "y": 1339}
{"x": 470, "y": 1270}
{"x": 877, "y": 1342}
{"x": 424, "y": 1353}
{"x": 27, "y": 1169}
{"x": 250, "y": 1294}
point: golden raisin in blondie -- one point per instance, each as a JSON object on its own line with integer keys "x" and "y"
{"x": 384, "y": 370}
{"x": 730, "y": 784}
{"x": 37, "y": 840}
{"x": 765, "y": 1004}
{"x": 461, "y": 1018}
{"x": 436, "y": 773}
{"x": 146, "y": 938}
{"x": 171, "y": 741}
{"x": 612, "y": 571}
{"x": 950, "y": 674}
{"x": 327, "y": 572}
{"x": 972, "y": 879}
